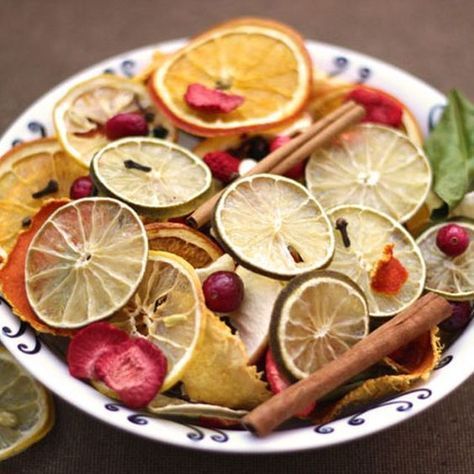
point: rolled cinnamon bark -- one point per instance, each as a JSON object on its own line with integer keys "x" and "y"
{"x": 419, "y": 318}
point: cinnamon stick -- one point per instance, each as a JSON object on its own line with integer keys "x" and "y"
{"x": 296, "y": 150}
{"x": 419, "y": 318}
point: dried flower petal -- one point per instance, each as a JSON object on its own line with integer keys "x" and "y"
{"x": 207, "y": 100}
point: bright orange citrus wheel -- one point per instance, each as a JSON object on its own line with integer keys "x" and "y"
{"x": 263, "y": 61}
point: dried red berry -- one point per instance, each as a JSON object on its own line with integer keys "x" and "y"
{"x": 135, "y": 369}
{"x": 126, "y": 125}
{"x": 379, "y": 107}
{"x": 297, "y": 171}
{"x": 278, "y": 383}
{"x": 459, "y": 319}
{"x": 81, "y": 187}
{"x": 88, "y": 345}
{"x": 452, "y": 239}
{"x": 223, "y": 291}
{"x": 224, "y": 166}
{"x": 208, "y": 100}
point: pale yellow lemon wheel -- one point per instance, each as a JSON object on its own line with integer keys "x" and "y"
{"x": 316, "y": 317}
{"x": 451, "y": 277}
{"x": 81, "y": 114}
{"x": 85, "y": 262}
{"x": 273, "y": 226}
{"x": 371, "y": 165}
{"x": 26, "y": 408}
{"x": 167, "y": 309}
{"x": 30, "y": 174}
{"x": 369, "y": 231}
{"x": 263, "y": 61}
{"x": 156, "y": 177}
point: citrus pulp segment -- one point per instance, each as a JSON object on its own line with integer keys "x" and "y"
{"x": 85, "y": 262}
{"x": 317, "y": 316}
{"x": 273, "y": 226}
{"x": 263, "y": 61}
{"x": 156, "y": 177}
{"x": 451, "y": 277}
{"x": 26, "y": 408}
{"x": 369, "y": 232}
{"x": 30, "y": 174}
{"x": 371, "y": 165}
{"x": 167, "y": 309}
{"x": 81, "y": 114}
{"x": 194, "y": 246}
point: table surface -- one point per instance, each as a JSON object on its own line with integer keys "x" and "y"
{"x": 42, "y": 43}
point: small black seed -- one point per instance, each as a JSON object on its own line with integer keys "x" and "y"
{"x": 26, "y": 222}
{"x": 149, "y": 116}
{"x": 160, "y": 132}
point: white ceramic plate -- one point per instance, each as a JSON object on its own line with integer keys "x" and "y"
{"x": 455, "y": 366}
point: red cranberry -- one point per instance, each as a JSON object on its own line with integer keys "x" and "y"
{"x": 460, "y": 318}
{"x": 126, "y": 125}
{"x": 81, "y": 187}
{"x": 452, "y": 239}
{"x": 223, "y": 291}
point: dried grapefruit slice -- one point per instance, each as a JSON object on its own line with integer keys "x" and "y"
{"x": 30, "y": 174}
{"x": 80, "y": 115}
{"x": 317, "y": 316}
{"x": 451, "y": 277}
{"x": 26, "y": 408}
{"x": 85, "y": 262}
{"x": 168, "y": 309}
{"x": 190, "y": 244}
{"x": 369, "y": 233}
{"x": 263, "y": 61}
{"x": 373, "y": 166}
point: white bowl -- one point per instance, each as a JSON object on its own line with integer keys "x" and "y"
{"x": 455, "y": 366}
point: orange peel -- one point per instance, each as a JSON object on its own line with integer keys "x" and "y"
{"x": 12, "y": 275}
{"x": 388, "y": 275}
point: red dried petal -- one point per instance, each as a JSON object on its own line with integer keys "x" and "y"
{"x": 208, "y": 100}
{"x": 389, "y": 275}
{"x": 134, "y": 369}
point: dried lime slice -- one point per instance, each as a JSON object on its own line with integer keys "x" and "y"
{"x": 168, "y": 309}
{"x": 155, "y": 177}
{"x": 373, "y": 166}
{"x": 273, "y": 226}
{"x": 316, "y": 317}
{"x": 85, "y": 262}
{"x": 451, "y": 277}
{"x": 26, "y": 408}
{"x": 369, "y": 233}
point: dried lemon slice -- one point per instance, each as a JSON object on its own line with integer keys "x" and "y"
{"x": 316, "y": 317}
{"x": 369, "y": 232}
{"x": 273, "y": 226}
{"x": 30, "y": 174}
{"x": 80, "y": 116}
{"x": 85, "y": 262}
{"x": 156, "y": 177}
{"x": 451, "y": 277}
{"x": 235, "y": 57}
{"x": 26, "y": 408}
{"x": 168, "y": 309}
{"x": 373, "y": 166}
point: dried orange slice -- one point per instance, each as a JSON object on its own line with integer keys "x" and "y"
{"x": 27, "y": 173}
{"x": 329, "y": 93}
{"x": 85, "y": 262}
{"x": 190, "y": 244}
{"x": 80, "y": 116}
{"x": 263, "y": 61}
{"x": 12, "y": 275}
